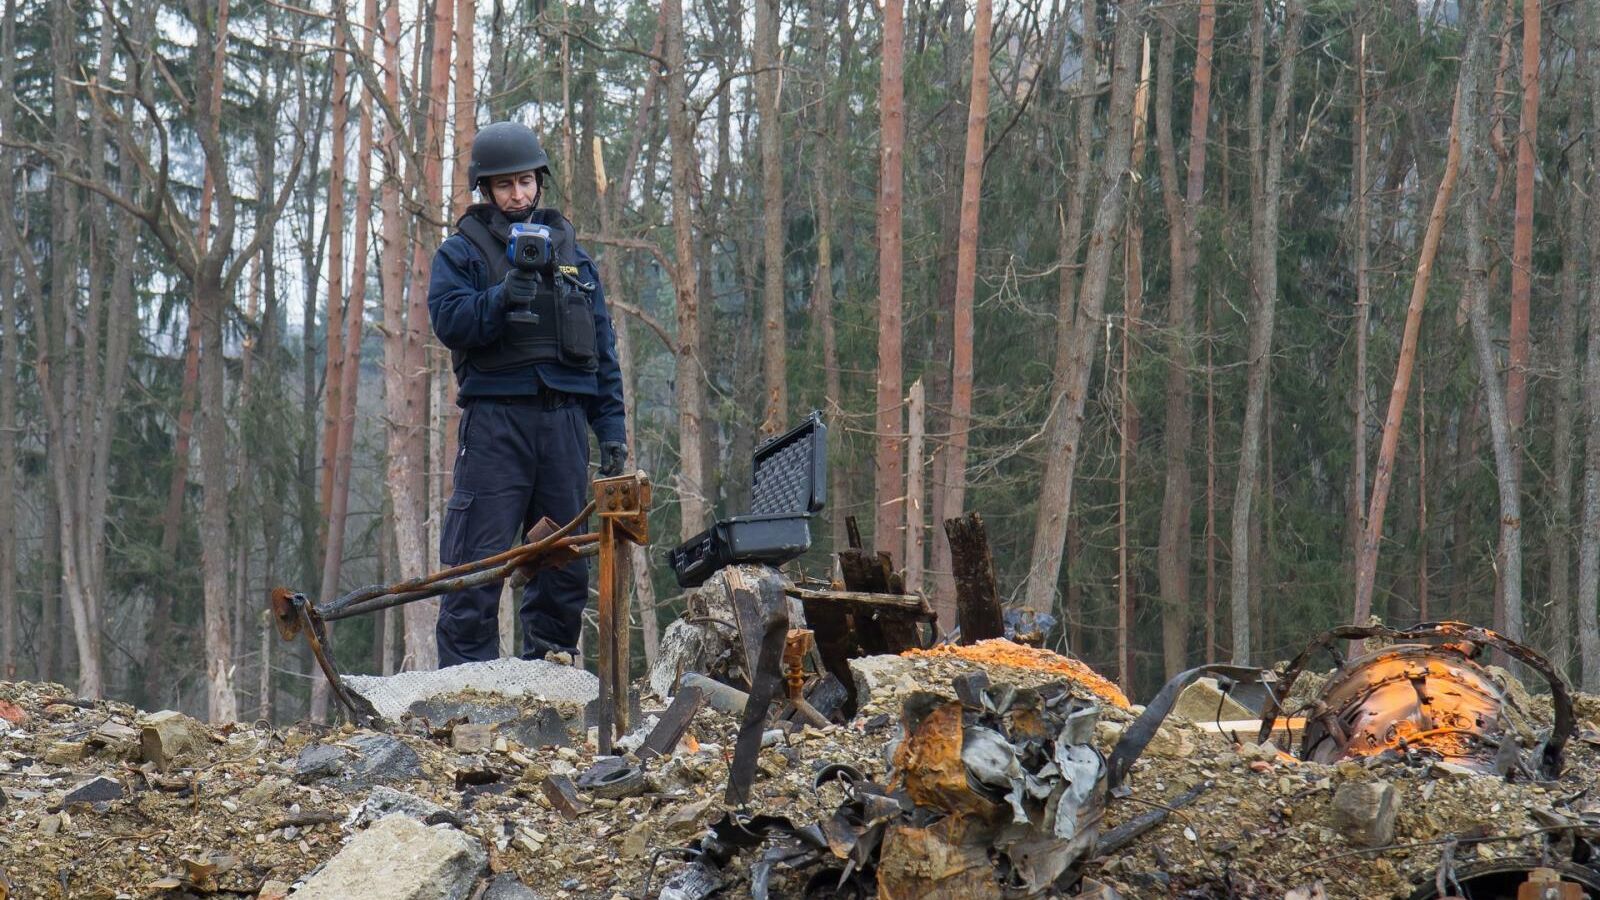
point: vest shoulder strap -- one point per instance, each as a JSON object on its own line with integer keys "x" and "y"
{"x": 491, "y": 248}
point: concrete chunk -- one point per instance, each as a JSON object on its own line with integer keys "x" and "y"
{"x": 1204, "y": 701}
{"x": 887, "y": 674}
{"x": 471, "y": 738}
{"x": 167, "y": 737}
{"x": 400, "y": 859}
{"x": 386, "y": 801}
{"x": 1365, "y": 813}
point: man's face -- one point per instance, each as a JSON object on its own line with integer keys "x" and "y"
{"x": 514, "y": 193}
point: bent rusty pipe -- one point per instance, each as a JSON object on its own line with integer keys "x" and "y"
{"x": 410, "y": 585}
{"x": 582, "y": 545}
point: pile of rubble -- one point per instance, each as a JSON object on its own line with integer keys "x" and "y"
{"x": 988, "y": 771}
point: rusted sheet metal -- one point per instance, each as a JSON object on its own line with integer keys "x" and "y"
{"x": 923, "y": 863}
{"x": 927, "y": 764}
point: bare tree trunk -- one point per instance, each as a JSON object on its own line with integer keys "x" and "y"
{"x": 1383, "y": 473}
{"x": 1128, "y": 418}
{"x": 1358, "y": 393}
{"x": 403, "y": 379}
{"x": 66, "y": 341}
{"x": 1211, "y": 494}
{"x": 9, "y": 347}
{"x": 1051, "y": 518}
{"x": 955, "y": 457}
{"x": 466, "y": 106}
{"x": 916, "y": 433}
{"x": 1124, "y": 458}
{"x": 1589, "y": 547}
{"x": 1567, "y": 411}
{"x": 831, "y": 136}
{"x": 333, "y": 369}
{"x": 52, "y": 638}
{"x": 1266, "y": 190}
{"x": 1508, "y": 615}
{"x": 222, "y": 705}
{"x": 692, "y": 501}
{"x": 1175, "y": 541}
{"x": 1422, "y": 499}
{"x": 822, "y": 297}
{"x": 1522, "y": 229}
{"x": 773, "y": 357}
{"x": 889, "y": 518}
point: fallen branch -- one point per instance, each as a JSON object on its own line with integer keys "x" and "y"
{"x": 1121, "y": 836}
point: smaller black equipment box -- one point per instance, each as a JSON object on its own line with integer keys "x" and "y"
{"x": 789, "y": 482}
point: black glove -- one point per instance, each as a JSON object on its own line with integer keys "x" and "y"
{"x": 521, "y": 287}
{"x": 613, "y": 454}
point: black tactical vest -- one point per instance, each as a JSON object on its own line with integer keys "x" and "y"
{"x": 564, "y": 330}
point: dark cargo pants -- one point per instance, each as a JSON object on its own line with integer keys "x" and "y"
{"x": 520, "y": 458}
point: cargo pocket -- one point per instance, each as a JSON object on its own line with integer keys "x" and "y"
{"x": 453, "y": 539}
{"x": 577, "y": 330}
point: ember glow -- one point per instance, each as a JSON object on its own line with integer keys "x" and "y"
{"x": 1001, "y": 652}
{"x": 1410, "y": 697}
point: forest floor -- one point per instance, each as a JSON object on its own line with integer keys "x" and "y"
{"x": 250, "y": 811}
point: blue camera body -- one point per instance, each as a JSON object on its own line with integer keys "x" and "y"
{"x": 531, "y": 247}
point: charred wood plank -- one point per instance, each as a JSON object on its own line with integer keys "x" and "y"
{"x": 674, "y": 722}
{"x": 875, "y": 602}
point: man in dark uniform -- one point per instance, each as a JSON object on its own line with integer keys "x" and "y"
{"x": 536, "y": 368}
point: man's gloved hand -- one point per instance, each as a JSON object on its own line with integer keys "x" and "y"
{"x": 613, "y": 454}
{"x": 521, "y": 286}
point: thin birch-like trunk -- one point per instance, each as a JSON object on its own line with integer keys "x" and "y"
{"x": 1051, "y": 520}
{"x": 774, "y": 362}
{"x": 1266, "y": 190}
{"x": 9, "y": 347}
{"x": 1175, "y": 541}
{"x": 1559, "y": 536}
{"x": 916, "y": 435}
{"x": 1508, "y": 618}
{"x": 1589, "y": 546}
{"x": 1383, "y": 472}
{"x": 955, "y": 456}
{"x": 889, "y": 480}
{"x": 692, "y": 501}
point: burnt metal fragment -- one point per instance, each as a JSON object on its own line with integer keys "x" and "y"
{"x": 766, "y": 597}
{"x": 1425, "y": 694}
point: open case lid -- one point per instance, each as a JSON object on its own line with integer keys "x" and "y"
{"x": 789, "y": 473}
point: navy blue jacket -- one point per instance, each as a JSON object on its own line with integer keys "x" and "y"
{"x": 468, "y": 312}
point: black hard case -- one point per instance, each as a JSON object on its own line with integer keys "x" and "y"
{"x": 788, "y": 483}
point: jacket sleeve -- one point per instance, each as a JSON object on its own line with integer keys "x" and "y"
{"x": 606, "y": 416}
{"x": 463, "y": 316}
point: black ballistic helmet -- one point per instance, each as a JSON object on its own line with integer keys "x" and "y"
{"x": 506, "y": 147}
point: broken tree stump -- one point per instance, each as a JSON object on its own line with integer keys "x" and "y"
{"x": 977, "y": 591}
